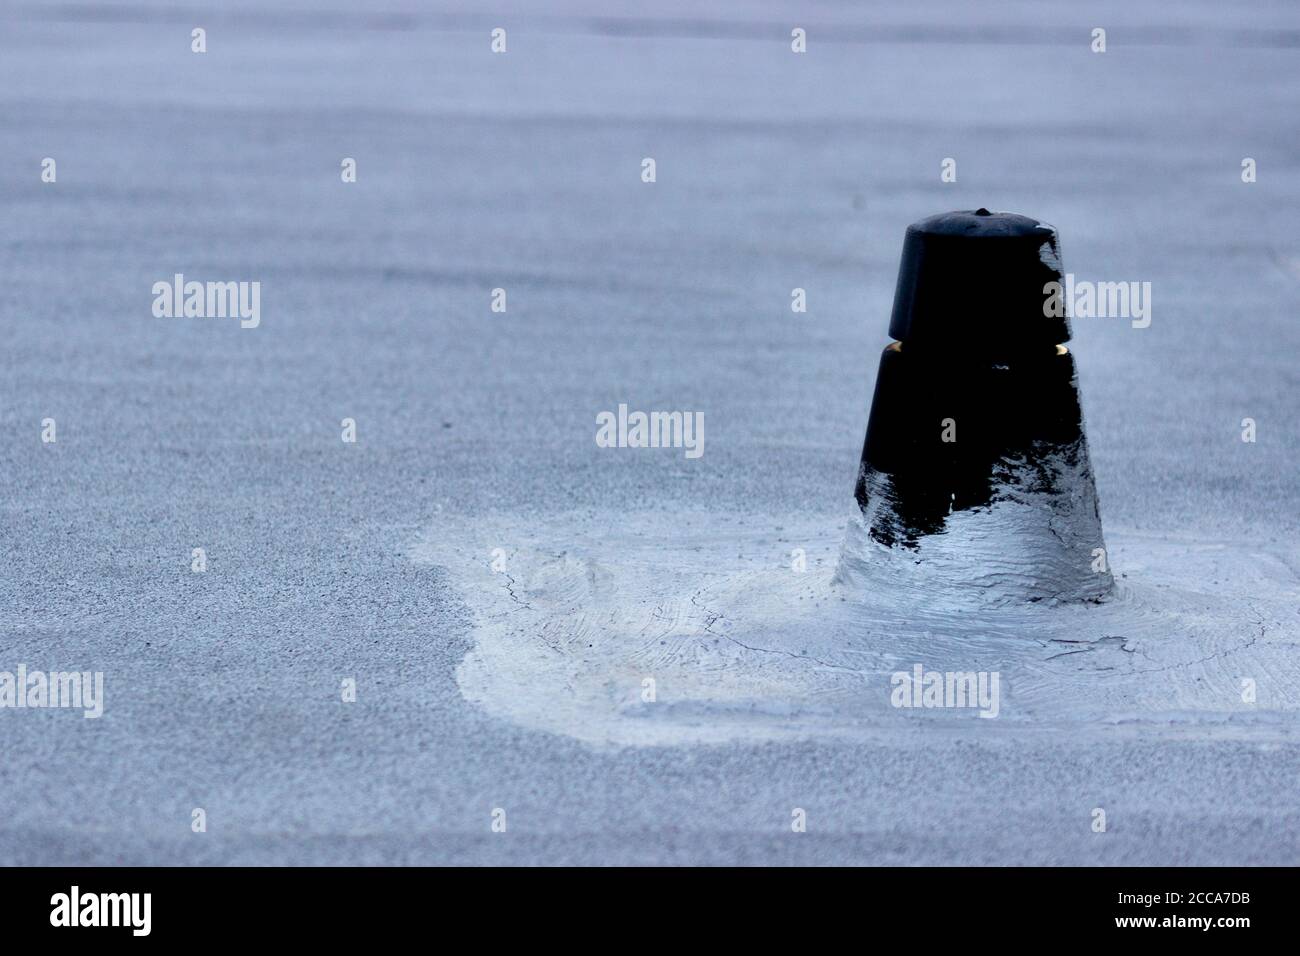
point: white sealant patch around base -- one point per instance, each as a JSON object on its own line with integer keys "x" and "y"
{"x": 740, "y": 646}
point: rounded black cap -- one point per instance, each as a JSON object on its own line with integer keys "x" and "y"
{"x": 973, "y": 281}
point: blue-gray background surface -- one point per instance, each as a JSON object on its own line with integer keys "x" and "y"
{"x": 522, "y": 171}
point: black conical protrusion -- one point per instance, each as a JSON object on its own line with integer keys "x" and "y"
{"x": 976, "y": 427}
{"x": 976, "y": 280}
